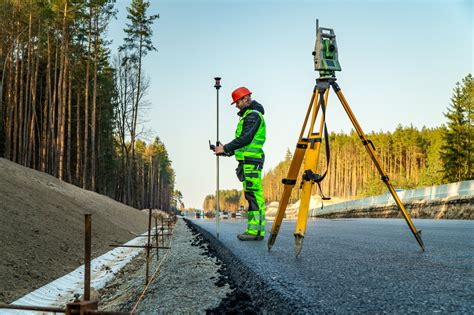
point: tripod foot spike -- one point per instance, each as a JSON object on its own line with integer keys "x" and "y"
{"x": 271, "y": 241}
{"x": 298, "y": 244}
{"x": 419, "y": 240}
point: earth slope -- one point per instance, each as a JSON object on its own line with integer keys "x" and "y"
{"x": 42, "y": 228}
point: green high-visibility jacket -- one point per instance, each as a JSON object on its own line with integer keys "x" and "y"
{"x": 249, "y": 136}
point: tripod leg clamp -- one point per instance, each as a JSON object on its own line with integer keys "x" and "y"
{"x": 290, "y": 182}
{"x": 366, "y": 142}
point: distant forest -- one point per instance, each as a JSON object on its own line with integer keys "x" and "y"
{"x": 69, "y": 109}
{"x": 412, "y": 158}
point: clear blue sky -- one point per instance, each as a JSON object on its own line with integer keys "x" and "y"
{"x": 400, "y": 61}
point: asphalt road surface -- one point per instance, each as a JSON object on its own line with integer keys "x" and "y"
{"x": 357, "y": 265}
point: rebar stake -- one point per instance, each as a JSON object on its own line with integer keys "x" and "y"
{"x": 87, "y": 257}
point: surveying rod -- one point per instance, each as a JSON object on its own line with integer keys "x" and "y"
{"x": 217, "y": 85}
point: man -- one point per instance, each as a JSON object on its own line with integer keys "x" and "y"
{"x": 247, "y": 148}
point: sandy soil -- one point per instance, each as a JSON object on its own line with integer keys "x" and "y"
{"x": 42, "y": 228}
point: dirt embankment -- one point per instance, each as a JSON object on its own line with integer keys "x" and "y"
{"x": 42, "y": 228}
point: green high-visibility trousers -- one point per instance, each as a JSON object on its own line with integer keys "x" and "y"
{"x": 254, "y": 195}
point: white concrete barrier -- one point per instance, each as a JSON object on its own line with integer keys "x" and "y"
{"x": 464, "y": 189}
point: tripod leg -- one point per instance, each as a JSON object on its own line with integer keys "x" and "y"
{"x": 371, "y": 150}
{"x": 310, "y": 168}
{"x": 290, "y": 179}
{"x": 289, "y": 183}
{"x": 310, "y": 163}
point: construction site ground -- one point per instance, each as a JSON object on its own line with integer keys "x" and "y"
{"x": 190, "y": 279}
{"x": 346, "y": 266}
{"x": 42, "y": 228}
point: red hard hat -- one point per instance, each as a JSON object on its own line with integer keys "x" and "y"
{"x": 239, "y": 93}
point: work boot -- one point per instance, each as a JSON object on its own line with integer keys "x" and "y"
{"x": 249, "y": 237}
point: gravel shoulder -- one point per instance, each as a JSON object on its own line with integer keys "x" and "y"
{"x": 189, "y": 280}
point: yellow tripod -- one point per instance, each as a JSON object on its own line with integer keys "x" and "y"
{"x": 310, "y": 147}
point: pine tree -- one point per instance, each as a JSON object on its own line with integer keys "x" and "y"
{"x": 468, "y": 100}
{"x": 137, "y": 43}
{"x": 432, "y": 141}
{"x": 455, "y": 152}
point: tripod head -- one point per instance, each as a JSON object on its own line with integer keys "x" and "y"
{"x": 325, "y": 52}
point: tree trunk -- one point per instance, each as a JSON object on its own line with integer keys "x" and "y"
{"x": 135, "y": 113}
{"x": 63, "y": 109}
{"x": 14, "y": 119}
{"x": 125, "y": 151}
{"x": 69, "y": 118}
{"x": 94, "y": 106}
{"x": 3, "y": 108}
{"x": 150, "y": 183}
{"x": 78, "y": 136}
{"x": 52, "y": 116}
{"x": 46, "y": 106}
{"x": 21, "y": 112}
{"x": 62, "y": 96}
{"x": 9, "y": 108}
{"x": 129, "y": 200}
{"x": 32, "y": 140}
{"x": 28, "y": 105}
{"x": 86, "y": 104}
